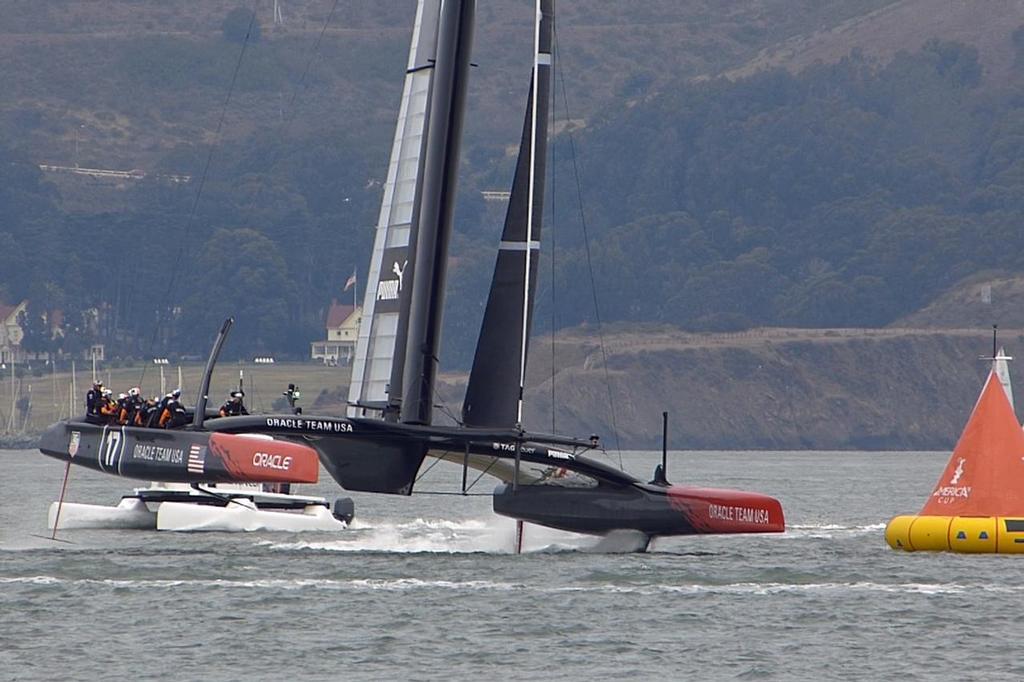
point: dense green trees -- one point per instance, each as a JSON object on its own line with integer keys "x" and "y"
{"x": 850, "y": 194}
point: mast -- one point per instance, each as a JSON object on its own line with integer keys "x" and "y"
{"x": 377, "y": 364}
{"x": 435, "y": 210}
{"x": 528, "y": 251}
{"x": 494, "y": 394}
{"x": 204, "y": 385}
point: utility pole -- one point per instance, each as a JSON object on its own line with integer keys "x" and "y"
{"x": 14, "y": 400}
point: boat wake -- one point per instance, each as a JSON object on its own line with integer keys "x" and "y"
{"x": 493, "y": 535}
{"x": 405, "y": 584}
{"x": 829, "y": 531}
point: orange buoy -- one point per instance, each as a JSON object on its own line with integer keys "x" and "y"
{"x": 977, "y": 506}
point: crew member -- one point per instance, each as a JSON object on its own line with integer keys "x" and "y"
{"x": 108, "y": 407}
{"x": 173, "y": 414}
{"x": 122, "y": 408}
{"x": 158, "y": 410}
{"x": 234, "y": 407}
{"x": 132, "y": 406}
{"x": 94, "y": 403}
{"x": 146, "y": 414}
{"x": 292, "y": 396}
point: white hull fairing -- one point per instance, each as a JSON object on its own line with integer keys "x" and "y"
{"x": 130, "y": 513}
{"x": 244, "y": 515}
{"x": 178, "y": 507}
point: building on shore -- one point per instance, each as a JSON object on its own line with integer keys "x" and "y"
{"x": 11, "y": 333}
{"x": 342, "y": 325}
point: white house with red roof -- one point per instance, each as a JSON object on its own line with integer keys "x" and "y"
{"x": 342, "y": 325}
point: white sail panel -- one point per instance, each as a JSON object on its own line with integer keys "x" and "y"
{"x": 371, "y": 369}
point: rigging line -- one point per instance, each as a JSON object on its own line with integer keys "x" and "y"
{"x": 538, "y": 19}
{"x": 475, "y": 480}
{"x": 427, "y": 470}
{"x": 184, "y": 243}
{"x": 300, "y": 88}
{"x": 551, "y": 229}
{"x": 590, "y": 263}
{"x": 443, "y": 406}
{"x": 257, "y": 398}
{"x": 312, "y": 56}
{"x": 446, "y": 411}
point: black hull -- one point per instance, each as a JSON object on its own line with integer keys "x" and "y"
{"x": 596, "y": 511}
{"x": 178, "y": 456}
{"x": 650, "y": 509}
{"x": 131, "y": 452}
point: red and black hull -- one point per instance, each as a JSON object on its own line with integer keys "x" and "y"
{"x": 650, "y": 509}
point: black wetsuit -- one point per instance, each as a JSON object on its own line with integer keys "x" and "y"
{"x": 153, "y": 416}
{"x": 123, "y": 409}
{"x": 175, "y": 414}
{"x": 93, "y": 405}
{"x": 132, "y": 406}
{"x": 146, "y": 412}
{"x": 233, "y": 409}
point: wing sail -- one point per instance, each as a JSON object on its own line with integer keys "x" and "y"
{"x": 382, "y": 321}
{"x": 493, "y": 393}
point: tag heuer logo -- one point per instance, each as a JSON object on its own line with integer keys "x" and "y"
{"x": 76, "y": 438}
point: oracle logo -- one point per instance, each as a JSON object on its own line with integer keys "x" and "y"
{"x": 266, "y": 460}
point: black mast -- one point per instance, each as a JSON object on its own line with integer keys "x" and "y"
{"x": 493, "y": 392}
{"x": 436, "y": 206}
{"x": 204, "y": 386}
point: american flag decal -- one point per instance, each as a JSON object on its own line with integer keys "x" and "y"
{"x": 196, "y": 459}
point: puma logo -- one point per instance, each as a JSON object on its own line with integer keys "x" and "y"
{"x": 389, "y": 289}
{"x": 400, "y": 271}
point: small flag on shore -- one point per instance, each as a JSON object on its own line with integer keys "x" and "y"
{"x": 350, "y": 282}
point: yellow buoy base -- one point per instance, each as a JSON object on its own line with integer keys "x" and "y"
{"x": 967, "y": 534}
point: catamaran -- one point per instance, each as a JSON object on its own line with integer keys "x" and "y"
{"x": 201, "y": 480}
{"x": 380, "y": 446}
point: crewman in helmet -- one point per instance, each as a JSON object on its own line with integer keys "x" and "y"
{"x": 234, "y": 407}
{"x": 108, "y": 407}
{"x": 173, "y": 414}
{"x": 94, "y": 403}
{"x": 122, "y": 408}
{"x": 147, "y": 413}
{"x": 132, "y": 405}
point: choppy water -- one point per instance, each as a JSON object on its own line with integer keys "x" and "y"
{"x": 427, "y": 588}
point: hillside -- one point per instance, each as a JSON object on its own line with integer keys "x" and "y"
{"x": 817, "y": 193}
{"x": 825, "y": 389}
{"x": 767, "y": 388}
{"x": 781, "y": 389}
{"x": 144, "y": 78}
{"x": 905, "y": 25}
{"x": 979, "y": 301}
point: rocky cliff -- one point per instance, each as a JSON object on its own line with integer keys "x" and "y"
{"x": 769, "y": 388}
